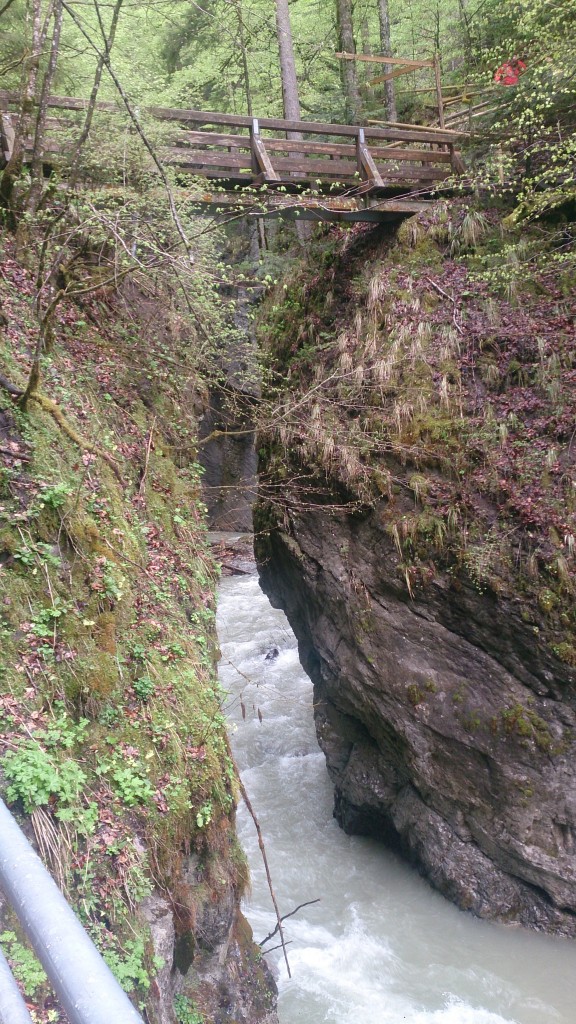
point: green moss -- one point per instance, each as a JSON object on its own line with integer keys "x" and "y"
{"x": 566, "y": 651}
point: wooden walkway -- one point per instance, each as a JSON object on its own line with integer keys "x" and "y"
{"x": 321, "y": 171}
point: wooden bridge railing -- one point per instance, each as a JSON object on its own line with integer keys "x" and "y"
{"x": 274, "y": 150}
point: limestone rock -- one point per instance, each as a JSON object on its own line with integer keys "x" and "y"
{"x": 448, "y": 732}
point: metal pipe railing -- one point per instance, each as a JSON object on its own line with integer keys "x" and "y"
{"x": 84, "y": 984}
{"x": 13, "y": 1009}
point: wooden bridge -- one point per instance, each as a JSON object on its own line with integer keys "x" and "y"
{"x": 304, "y": 168}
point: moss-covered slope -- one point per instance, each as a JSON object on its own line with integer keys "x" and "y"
{"x": 112, "y": 739}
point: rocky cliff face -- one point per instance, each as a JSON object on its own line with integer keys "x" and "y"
{"x": 445, "y": 734}
{"x": 441, "y": 653}
{"x": 209, "y": 956}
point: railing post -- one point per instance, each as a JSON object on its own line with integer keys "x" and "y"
{"x": 261, "y": 163}
{"x": 84, "y": 984}
{"x": 360, "y": 141}
{"x": 254, "y": 134}
{"x": 365, "y": 163}
{"x": 438, "y": 81}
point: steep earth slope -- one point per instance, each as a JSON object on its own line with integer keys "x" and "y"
{"x": 113, "y": 746}
{"x": 417, "y": 523}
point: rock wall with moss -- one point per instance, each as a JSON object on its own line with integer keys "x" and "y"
{"x": 113, "y": 748}
{"x": 417, "y": 522}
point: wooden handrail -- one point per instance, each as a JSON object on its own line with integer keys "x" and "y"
{"x": 410, "y": 133}
{"x": 376, "y": 59}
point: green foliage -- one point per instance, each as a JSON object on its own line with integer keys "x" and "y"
{"x": 36, "y": 776}
{"x": 128, "y": 964}
{"x": 204, "y": 815}
{"x": 186, "y": 1011}
{"x": 25, "y": 967}
{"x": 129, "y": 780}
{"x": 144, "y": 688}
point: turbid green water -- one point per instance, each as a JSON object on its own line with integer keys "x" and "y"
{"x": 381, "y": 947}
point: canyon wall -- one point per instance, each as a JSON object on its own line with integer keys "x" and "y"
{"x": 416, "y": 522}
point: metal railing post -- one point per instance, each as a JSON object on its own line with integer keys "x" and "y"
{"x": 84, "y": 984}
{"x": 13, "y": 1009}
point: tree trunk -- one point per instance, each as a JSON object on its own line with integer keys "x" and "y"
{"x": 290, "y": 96}
{"x": 244, "y": 56}
{"x": 386, "y": 47}
{"x": 348, "y": 67}
{"x": 40, "y": 129}
{"x": 13, "y": 168}
{"x": 108, "y": 43}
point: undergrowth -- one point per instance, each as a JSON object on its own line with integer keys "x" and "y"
{"x": 429, "y": 374}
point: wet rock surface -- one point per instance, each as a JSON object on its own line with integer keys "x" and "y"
{"x": 448, "y": 732}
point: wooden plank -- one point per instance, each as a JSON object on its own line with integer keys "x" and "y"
{"x": 390, "y": 75}
{"x": 438, "y": 82}
{"x": 212, "y": 139}
{"x": 456, "y": 161}
{"x": 342, "y": 149}
{"x": 261, "y": 158}
{"x": 374, "y": 59}
{"x": 207, "y": 158}
{"x": 339, "y": 169}
{"x": 275, "y": 145}
{"x": 62, "y": 102}
{"x": 400, "y": 205}
{"x": 414, "y": 133}
{"x": 430, "y": 156}
{"x": 366, "y": 165}
{"x": 243, "y": 121}
{"x": 419, "y": 133}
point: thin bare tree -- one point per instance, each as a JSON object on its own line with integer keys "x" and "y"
{"x": 386, "y": 48}
{"x": 290, "y": 97}
{"x": 35, "y": 194}
{"x": 348, "y": 68}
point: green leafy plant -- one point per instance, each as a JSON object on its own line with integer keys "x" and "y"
{"x": 53, "y": 495}
{"x": 204, "y": 815}
{"x": 129, "y": 781}
{"x": 35, "y": 776}
{"x": 25, "y": 967}
{"x": 128, "y": 964}
{"x": 143, "y": 688}
{"x": 186, "y": 1011}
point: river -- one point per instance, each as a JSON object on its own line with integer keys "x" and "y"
{"x": 381, "y": 947}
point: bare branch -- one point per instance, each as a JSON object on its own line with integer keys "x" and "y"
{"x": 105, "y": 58}
{"x": 309, "y": 903}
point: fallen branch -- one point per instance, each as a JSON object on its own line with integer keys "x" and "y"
{"x": 284, "y": 917}
{"x": 252, "y": 814}
{"x": 440, "y": 290}
{"x": 272, "y": 948}
{"x": 10, "y": 388}
{"x": 450, "y": 299}
{"x": 147, "y": 457}
{"x": 14, "y": 455}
